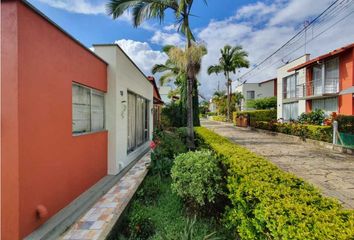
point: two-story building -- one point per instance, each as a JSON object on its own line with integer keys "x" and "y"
{"x": 325, "y": 82}
{"x": 251, "y": 91}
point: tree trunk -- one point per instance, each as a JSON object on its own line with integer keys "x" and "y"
{"x": 196, "y": 120}
{"x": 228, "y": 97}
{"x": 190, "y": 82}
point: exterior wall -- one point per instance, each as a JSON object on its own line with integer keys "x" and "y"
{"x": 123, "y": 76}
{"x": 261, "y": 90}
{"x": 346, "y": 80}
{"x": 164, "y": 91}
{"x": 281, "y": 74}
{"x": 42, "y": 162}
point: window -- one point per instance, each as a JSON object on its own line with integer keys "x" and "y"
{"x": 290, "y": 86}
{"x": 328, "y": 105}
{"x": 290, "y": 111}
{"x": 332, "y": 76}
{"x": 87, "y": 109}
{"x": 138, "y": 121}
{"x": 250, "y": 95}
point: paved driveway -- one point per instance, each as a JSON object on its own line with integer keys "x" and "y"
{"x": 331, "y": 172}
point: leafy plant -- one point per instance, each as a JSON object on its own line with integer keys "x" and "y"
{"x": 315, "y": 117}
{"x": 257, "y": 115}
{"x": 141, "y": 226}
{"x": 149, "y": 191}
{"x": 196, "y": 177}
{"x": 188, "y": 233}
{"x": 262, "y": 103}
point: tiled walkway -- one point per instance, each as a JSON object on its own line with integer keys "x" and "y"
{"x": 331, "y": 172}
{"x": 99, "y": 220}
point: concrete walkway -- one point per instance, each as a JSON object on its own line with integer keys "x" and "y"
{"x": 331, "y": 172}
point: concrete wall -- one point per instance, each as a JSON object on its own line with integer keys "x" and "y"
{"x": 261, "y": 90}
{"x": 282, "y": 72}
{"x": 42, "y": 162}
{"x": 123, "y": 76}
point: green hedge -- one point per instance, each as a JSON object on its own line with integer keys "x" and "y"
{"x": 219, "y": 118}
{"x": 345, "y": 124}
{"x": 315, "y": 132}
{"x": 268, "y": 203}
{"x": 257, "y": 115}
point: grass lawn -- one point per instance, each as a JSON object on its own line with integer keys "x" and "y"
{"x": 165, "y": 213}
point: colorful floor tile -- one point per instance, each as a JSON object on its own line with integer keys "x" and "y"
{"x": 98, "y": 221}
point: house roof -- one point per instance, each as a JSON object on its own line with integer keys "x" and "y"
{"x": 322, "y": 57}
{"x": 157, "y": 97}
{"x": 269, "y": 80}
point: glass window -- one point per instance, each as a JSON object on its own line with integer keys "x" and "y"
{"x": 138, "y": 121}
{"x": 328, "y": 105}
{"x": 87, "y": 109}
{"x": 290, "y": 86}
{"x": 250, "y": 95}
{"x": 290, "y": 111}
{"x": 332, "y": 76}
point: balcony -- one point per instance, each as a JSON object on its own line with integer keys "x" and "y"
{"x": 318, "y": 88}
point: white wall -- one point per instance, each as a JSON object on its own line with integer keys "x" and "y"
{"x": 164, "y": 91}
{"x": 261, "y": 90}
{"x": 122, "y": 76}
{"x": 281, "y": 74}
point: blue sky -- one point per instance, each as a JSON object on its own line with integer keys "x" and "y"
{"x": 259, "y": 26}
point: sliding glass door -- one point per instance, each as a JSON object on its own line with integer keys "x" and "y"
{"x": 138, "y": 121}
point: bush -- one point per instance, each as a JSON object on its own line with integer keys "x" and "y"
{"x": 257, "y": 115}
{"x": 173, "y": 115}
{"x": 315, "y": 117}
{"x": 263, "y": 103}
{"x": 269, "y": 203}
{"x": 211, "y": 113}
{"x": 149, "y": 191}
{"x": 319, "y": 133}
{"x": 345, "y": 123}
{"x": 196, "y": 177}
{"x": 141, "y": 226}
{"x": 219, "y": 118}
{"x": 169, "y": 145}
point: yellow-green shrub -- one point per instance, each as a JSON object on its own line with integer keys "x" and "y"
{"x": 257, "y": 115}
{"x": 219, "y": 118}
{"x": 268, "y": 203}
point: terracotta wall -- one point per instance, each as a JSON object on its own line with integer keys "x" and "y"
{"x": 42, "y": 163}
{"x": 346, "y": 76}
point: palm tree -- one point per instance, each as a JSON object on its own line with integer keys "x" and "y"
{"x": 232, "y": 58}
{"x": 155, "y": 9}
{"x": 174, "y": 68}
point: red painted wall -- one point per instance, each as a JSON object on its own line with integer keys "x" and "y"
{"x": 42, "y": 162}
{"x": 346, "y": 76}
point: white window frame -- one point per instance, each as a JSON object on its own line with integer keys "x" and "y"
{"x": 92, "y": 91}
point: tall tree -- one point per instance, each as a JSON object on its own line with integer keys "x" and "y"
{"x": 232, "y": 58}
{"x": 175, "y": 69}
{"x": 155, "y": 9}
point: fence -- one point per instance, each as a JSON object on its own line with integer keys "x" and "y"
{"x": 341, "y": 138}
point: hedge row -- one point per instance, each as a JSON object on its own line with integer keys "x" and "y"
{"x": 268, "y": 203}
{"x": 219, "y": 118}
{"x": 257, "y": 115}
{"x": 345, "y": 123}
{"x": 320, "y": 133}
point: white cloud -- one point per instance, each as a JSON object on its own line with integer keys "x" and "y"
{"x": 255, "y": 11}
{"x": 77, "y": 6}
{"x": 142, "y": 54}
{"x": 164, "y": 38}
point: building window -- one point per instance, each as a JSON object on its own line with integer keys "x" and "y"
{"x": 290, "y": 86}
{"x": 290, "y": 111}
{"x": 138, "y": 121}
{"x": 250, "y": 95}
{"x": 87, "y": 109}
{"x": 328, "y": 105}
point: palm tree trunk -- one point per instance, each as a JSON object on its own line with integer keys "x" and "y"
{"x": 190, "y": 82}
{"x": 228, "y": 97}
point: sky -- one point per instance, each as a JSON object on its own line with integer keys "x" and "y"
{"x": 260, "y": 27}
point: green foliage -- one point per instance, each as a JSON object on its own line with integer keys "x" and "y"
{"x": 345, "y": 123}
{"x": 221, "y": 102}
{"x": 315, "y": 117}
{"x": 149, "y": 191}
{"x": 257, "y": 115}
{"x": 315, "y": 132}
{"x": 212, "y": 114}
{"x": 188, "y": 233}
{"x": 173, "y": 115}
{"x": 220, "y": 118}
{"x": 141, "y": 226}
{"x": 196, "y": 177}
{"x": 269, "y": 203}
{"x": 168, "y": 146}
{"x": 263, "y": 103}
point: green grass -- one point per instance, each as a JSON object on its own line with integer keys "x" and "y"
{"x": 168, "y": 214}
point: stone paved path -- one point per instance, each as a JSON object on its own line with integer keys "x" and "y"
{"x": 331, "y": 172}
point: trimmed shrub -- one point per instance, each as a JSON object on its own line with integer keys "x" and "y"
{"x": 262, "y": 103}
{"x": 269, "y": 203}
{"x": 257, "y": 115}
{"x": 211, "y": 113}
{"x": 196, "y": 177}
{"x": 315, "y": 117}
{"x": 345, "y": 123}
{"x": 319, "y": 133}
{"x": 219, "y": 118}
